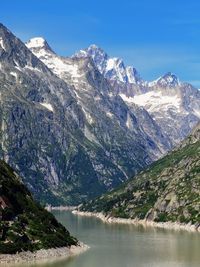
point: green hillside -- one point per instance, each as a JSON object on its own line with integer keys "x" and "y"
{"x": 169, "y": 190}
{"x": 24, "y": 224}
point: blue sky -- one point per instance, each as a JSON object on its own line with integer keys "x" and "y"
{"x": 155, "y": 36}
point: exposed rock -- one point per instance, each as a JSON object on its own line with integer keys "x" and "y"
{"x": 169, "y": 190}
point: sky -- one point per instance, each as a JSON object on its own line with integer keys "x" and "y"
{"x": 154, "y": 36}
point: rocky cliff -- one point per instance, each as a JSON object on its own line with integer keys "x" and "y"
{"x": 69, "y": 140}
{"x": 75, "y": 127}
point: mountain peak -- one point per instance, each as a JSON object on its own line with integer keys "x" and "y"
{"x": 5, "y": 35}
{"x": 14, "y": 51}
{"x": 113, "y": 68}
{"x": 4, "y": 28}
{"x": 133, "y": 75}
{"x": 94, "y": 46}
{"x": 169, "y": 79}
{"x": 38, "y": 43}
{"x": 91, "y": 50}
{"x": 97, "y": 54}
{"x": 94, "y": 50}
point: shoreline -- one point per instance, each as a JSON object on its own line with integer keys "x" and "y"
{"x": 43, "y": 255}
{"x": 144, "y": 223}
{"x": 60, "y": 208}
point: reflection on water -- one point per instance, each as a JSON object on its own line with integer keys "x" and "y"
{"x": 115, "y": 245}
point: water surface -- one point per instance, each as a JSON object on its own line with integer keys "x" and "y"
{"x": 115, "y": 245}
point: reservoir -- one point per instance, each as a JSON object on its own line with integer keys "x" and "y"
{"x": 120, "y": 245}
{"x": 123, "y": 245}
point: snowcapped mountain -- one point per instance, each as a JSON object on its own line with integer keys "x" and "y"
{"x": 174, "y": 105}
{"x": 63, "y": 129}
{"x": 168, "y": 80}
{"x": 75, "y": 127}
{"x": 97, "y": 54}
{"x": 41, "y": 48}
{"x": 39, "y": 43}
{"x": 111, "y": 68}
{"x": 89, "y": 84}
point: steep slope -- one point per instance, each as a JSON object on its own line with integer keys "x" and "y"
{"x": 173, "y": 105}
{"x": 98, "y": 100}
{"x": 68, "y": 128}
{"x": 111, "y": 68}
{"x": 66, "y": 137}
{"x": 169, "y": 190}
{"x": 39, "y": 122}
{"x": 24, "y": 224}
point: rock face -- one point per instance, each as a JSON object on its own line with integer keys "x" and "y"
{"x": 111, "y": 68}
{"x": 74, "y": 128}
{"x": 169, "y": 190}
{"x": 24, "y": 224}
{"x": 66, "y": 134}
{"x": 97, "y": 98}
{"x": 173, "y": 105}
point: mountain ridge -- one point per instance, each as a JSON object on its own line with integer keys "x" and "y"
{"x": 74, "y": 134}
{"x": 166, "y": 99}
{"x": 166, "y": 191}
{"x": 61, "y": 142}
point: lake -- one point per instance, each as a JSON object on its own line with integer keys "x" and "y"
{"x": 117, "y": 245}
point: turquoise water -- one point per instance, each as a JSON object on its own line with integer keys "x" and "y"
{"x": 129, "y": 246}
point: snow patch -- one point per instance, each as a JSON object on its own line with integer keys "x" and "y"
{"x": 197, "y": 113}
{"x": 154, "y": 101}
{"x": 2, "y": 44}
{"x": 82, "y": 53}
{"x": 14, "y": 74}
{"x": 31, "y": 68}
{"x": 129, "y": 124}
{"x": 109, "y": 114}
{"x": 115, "y": 70}
{"x": 111, "y": 63}
{"x": 42, "y": 53}
{"x": 153, "y": 83}
{"x": 58, "y": 65}
{"x": 47, "y": 106}
{"x": 36, "y": 42}
{"x": 130, "y": 75}
{"x": 89, "y": 118}
{"x": 127, "y": 99}
{"x": 97, "y": 98}
{"x": 110, "y": 94}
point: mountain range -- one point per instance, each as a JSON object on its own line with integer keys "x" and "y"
{"x": 76, "y": 127}
{"x": 169, "y": 190}
{"x": 173, "y": 104}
